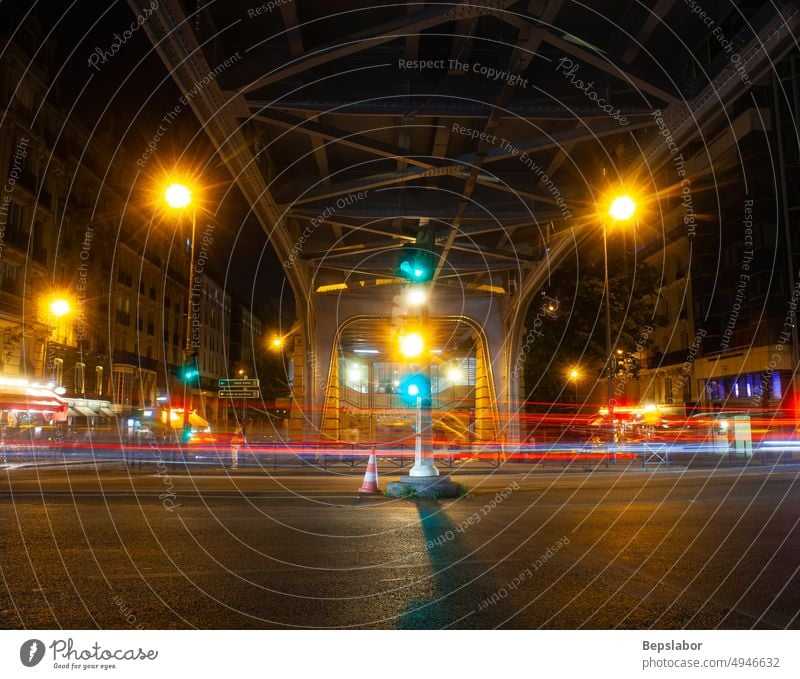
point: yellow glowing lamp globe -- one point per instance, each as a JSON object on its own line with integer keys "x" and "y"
{"x": 411, "y": 345}
{"x": 178, "y": 196}
{"x": 59, "y": 307}
{"x": 622, "y": 208}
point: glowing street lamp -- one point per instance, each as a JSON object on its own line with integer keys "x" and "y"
{"x": 622, "y": 208}
{"x": 178, "y": 196}
{"x": 60, "y": 307}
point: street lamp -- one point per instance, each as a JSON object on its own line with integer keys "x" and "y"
{"x": 575, "y": 375}
{"x": 178, "y": 196}
{"x": 620, "y": 209}
{"x": 58, "y": 308}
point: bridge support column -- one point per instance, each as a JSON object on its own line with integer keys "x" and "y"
{"x": 297, "y": 405}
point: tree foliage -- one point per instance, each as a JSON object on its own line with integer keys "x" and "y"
{"x": 566, "y": 324}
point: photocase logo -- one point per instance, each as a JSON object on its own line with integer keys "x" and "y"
{"x": 31, "y": 652}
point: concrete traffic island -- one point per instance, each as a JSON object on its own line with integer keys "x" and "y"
{"x": 424, "y": 486}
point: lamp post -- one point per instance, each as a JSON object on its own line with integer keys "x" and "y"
{"x": 242, "y": 375}
{"x": 574, "y": 376}
{"x": 58, "y": 308}
{"x": 621, "y": 209}
{"x": 178, "y": 196}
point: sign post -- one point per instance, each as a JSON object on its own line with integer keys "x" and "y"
{"x": 239, "y": 388}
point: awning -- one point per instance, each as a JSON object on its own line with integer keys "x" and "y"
{"x": 107, "y": 412}
{"x": 73, "y": 413}
{"x": 176, "y": 418}
{"x": 196, "y": 421}
{"x": 86, "y": 412}
{"x": 23, "y": 397}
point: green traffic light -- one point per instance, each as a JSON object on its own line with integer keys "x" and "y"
{"x": 415, "y": 264}
{"x": 189, "y": 373}
{"x": 414, "y": 387}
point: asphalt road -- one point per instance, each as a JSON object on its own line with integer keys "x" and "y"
{"x": 696, "y": 549}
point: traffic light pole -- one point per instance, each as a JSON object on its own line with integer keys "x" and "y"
{"x": 423, "y": 453}
{"x": 187, "y": 354}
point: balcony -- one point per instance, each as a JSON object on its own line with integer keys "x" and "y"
{"x": 671, "y": 358}
{"x": 10, "y": 303}
{"x": 39, "y": 255}
{"x": 135, "y": 360}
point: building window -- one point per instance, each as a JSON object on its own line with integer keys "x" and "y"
{"x": 80, "y": 378}
{"x": 122, "y": 384}
{"x": 98, "y": 374}
{"x": 8, "y": 276}
{"x": 776, "y": 386}
{"x": 14, "y": 224}
{"x": 58, "y": 371}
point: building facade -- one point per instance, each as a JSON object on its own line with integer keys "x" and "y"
{"x": 71, "y": 230}
{"x": 729, "y": 286}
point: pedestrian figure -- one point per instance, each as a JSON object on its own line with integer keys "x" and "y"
{"x": 237, "y": 441}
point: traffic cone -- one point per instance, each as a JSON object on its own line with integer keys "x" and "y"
{"x": 370, "y": 484}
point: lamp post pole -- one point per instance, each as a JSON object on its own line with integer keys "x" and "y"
{"x": 178, "y": 196}
{"x": 187, "y": 393}
{"x": 621, "y": 209}
{"x": 609, "y": 358}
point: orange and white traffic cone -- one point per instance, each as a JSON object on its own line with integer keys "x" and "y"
{"x": 370, "y": 484}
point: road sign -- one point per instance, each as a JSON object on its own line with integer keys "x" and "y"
{"x": 227, "y": 384}
{"x": 239, "y": 392}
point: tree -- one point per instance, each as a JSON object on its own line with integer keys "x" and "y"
{"x": 566, "y": 325}
{"x": 271, "y": 370}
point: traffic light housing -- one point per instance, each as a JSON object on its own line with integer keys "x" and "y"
{"x": 416, "y": 261}
{"x": 414, "y": 387}
{"x": 186, "y": 435}
{"x": 190, "y": 370}
{"x": 414, "y": 264}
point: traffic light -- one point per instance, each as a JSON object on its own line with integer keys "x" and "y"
{"x": 186, "y": 435}
{"x": 414, "y": 264}
{"x": 414, "y": 387}
{"x": 417, "y": 261}
{"x": 411, "y": 344}
{"x": 190, "y": 371}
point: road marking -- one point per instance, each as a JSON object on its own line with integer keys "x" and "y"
{"x": 211, "y": 494}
